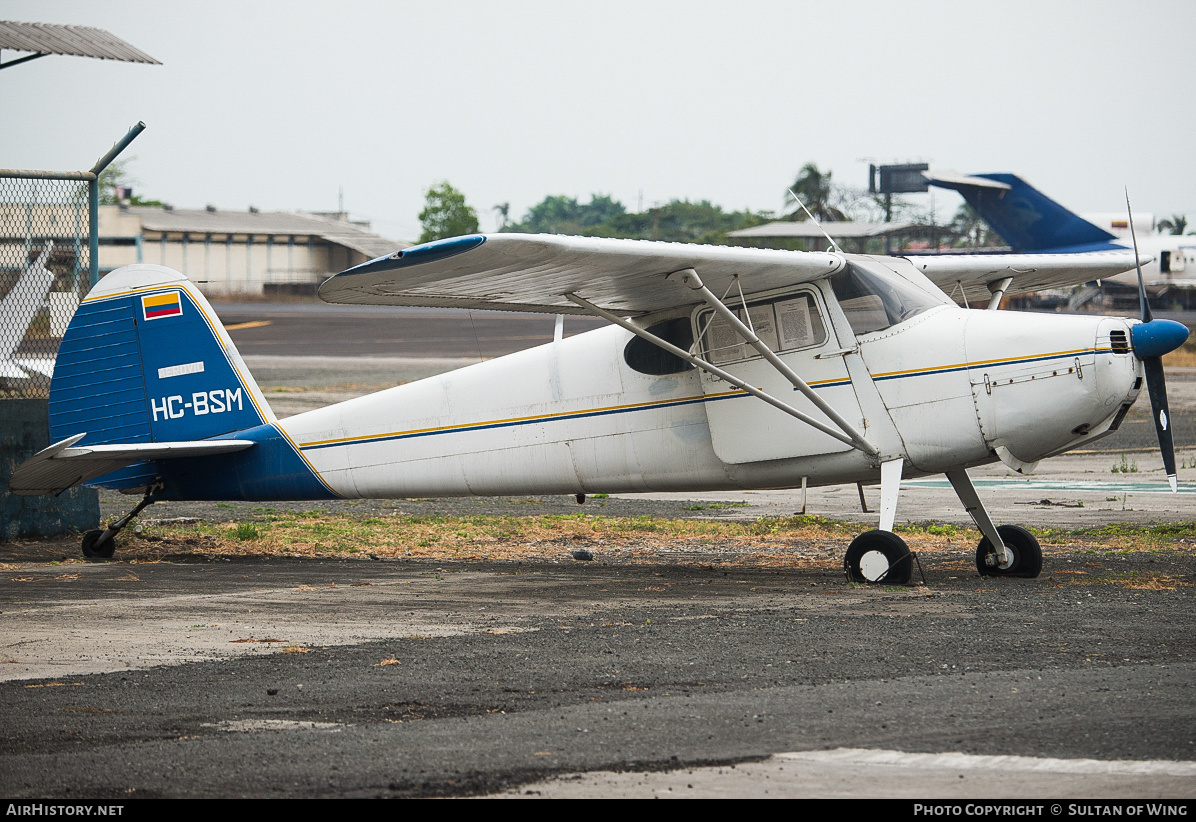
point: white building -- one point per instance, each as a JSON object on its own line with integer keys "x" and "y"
{"x": 239, "y": 252}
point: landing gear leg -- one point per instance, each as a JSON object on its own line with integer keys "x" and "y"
{"x": 101, "y": 543}
{"x": 1009, "y": 551}
{"x": 881, "y": 555}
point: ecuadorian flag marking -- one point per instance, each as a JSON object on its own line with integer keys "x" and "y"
{"x": 162, "y": 305}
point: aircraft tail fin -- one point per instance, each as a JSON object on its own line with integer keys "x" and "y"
{"x": 19, "y": 307}
{"x": 145, "y": 360}
{"x": 1025, "y": 217}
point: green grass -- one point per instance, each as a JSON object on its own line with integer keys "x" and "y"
{"x": 244, "y": 531}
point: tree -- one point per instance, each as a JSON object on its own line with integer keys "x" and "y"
{"x": 116, "y": 185}
{"x": 558, "y": 214}
{"x": 816, "y": 192}
{"x": 1175, "y": 225}
{"x": 446, "y": 214}
{"x": 503, "y": 210}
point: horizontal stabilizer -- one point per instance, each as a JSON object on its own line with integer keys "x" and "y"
{"x": 64, "y": 464}
{"x": 1029, "y": 272}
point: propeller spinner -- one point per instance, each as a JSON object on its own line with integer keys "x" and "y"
{"x": 1152, "y": 339}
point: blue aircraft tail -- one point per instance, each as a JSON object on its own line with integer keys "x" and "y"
{"x": 145, "y": 360}
{"x": 1026, "y": 218}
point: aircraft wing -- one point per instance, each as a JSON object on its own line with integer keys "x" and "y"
{"x": 522, "y": 272}
{"x": 55, "y": 469}
{"x": 1030, "y": 272}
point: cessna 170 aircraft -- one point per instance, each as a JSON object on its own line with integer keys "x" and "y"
{"x": 723, "y": 368}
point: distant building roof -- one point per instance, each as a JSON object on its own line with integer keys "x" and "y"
{"x": 840, "y": 230}
{"x": 80, "y": 41}
{"x": 202, "y": 221}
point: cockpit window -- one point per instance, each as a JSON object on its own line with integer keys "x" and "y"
{"x": 874, "y": 299}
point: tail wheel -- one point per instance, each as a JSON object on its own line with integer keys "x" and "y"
{"x": 93, "y": 548}
{"x": 1027, "y": 554}
{"x": 878, "y": 556}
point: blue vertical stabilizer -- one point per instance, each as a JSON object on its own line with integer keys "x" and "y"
{"x": 1025, "y": 217}
{"x": 146, "y": 360}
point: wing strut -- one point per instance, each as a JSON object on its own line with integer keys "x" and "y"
{"x": 718, "y": 372}
{"x": 690, "y": 278}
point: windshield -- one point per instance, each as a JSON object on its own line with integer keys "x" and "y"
{"x": 874, "y": 299}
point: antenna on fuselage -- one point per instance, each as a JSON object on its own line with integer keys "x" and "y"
{"x": 829, "y": 239}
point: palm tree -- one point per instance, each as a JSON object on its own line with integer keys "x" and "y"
{"x": 813, "y": 187}
{"x": 504, "y": 214}
{"x": 1175, "y": 225}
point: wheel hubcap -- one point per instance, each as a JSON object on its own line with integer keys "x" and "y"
{"x": 873, "y": 565}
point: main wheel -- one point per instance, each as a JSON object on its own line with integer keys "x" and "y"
{"x": 878, "y": 556}
{"x": 94, "y": 549}
{"x": 1027, "y": 554}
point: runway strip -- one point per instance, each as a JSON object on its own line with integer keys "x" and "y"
{"x": 856, "y": 773}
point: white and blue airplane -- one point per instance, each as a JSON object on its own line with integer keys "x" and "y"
{"x": 722, "y": 369}
{"x": 1033, "y": 223}
{"x": 17, "y": 310}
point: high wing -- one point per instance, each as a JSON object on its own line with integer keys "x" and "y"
{"x": 54, "y": 469}
{"x": 976, "y": 273}
{"x": 521, "y": 272}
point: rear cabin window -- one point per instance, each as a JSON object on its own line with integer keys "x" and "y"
{"x": 783, "y": 324}
{"x": 649, "y": 358}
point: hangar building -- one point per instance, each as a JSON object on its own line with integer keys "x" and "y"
{"x": 239, "y": 252}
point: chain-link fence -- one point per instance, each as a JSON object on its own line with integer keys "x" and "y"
{"x": 44, "y": 260}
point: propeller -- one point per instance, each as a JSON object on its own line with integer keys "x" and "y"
{"x": 1152, "y": 339}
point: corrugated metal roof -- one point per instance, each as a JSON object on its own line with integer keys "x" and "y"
{"x": 201, "y": 221}
{"x": 80, "y": 41}
{"x": 841, "y": 230}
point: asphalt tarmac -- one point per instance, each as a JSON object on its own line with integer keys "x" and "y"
{"x": 343, "y": 678}
{"x": 673, "y": 673}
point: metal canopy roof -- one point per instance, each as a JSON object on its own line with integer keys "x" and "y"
{"x": 841, "y": 230}
{"x": 80, "y": 41}
{"x": 195, "y": 221}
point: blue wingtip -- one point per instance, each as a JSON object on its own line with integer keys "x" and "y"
{"x": 1158, "y": 337}
{"x": 419, "y": 254}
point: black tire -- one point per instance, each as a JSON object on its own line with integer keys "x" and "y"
{"x": 94, "y": 549}
{"x": 1027, "y": 554}
{"x": 879, "y": 557}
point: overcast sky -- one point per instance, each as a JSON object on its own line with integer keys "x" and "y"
{"x": 279, "y": 104}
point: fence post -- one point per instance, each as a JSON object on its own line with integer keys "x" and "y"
{"x": 35, "y": 270}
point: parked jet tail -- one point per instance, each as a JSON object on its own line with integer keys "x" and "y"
{"x": 149, "y": 390}
{"x": 17, "y": 310}
{"x": 1025, "y": 217}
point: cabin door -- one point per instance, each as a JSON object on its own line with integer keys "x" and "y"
{"x": 743, "y": 428}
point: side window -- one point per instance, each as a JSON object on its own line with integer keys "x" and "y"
{"x": 649, "y": 358}
{"x": 783, "y": 324}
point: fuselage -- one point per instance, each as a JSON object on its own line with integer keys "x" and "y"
{"x": 1168, "y": 261}
{"x": 945, "y": 388}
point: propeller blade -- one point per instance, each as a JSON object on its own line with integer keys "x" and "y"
{"x": 1143, "y": 303}
{"x": 1152, "y": 339}
{"x": 1156, "y": 385}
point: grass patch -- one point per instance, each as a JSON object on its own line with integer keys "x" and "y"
{"x": 244, "y": 531}
{"x": 1184, "y": 356}
{"x": 790, "y": 541}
